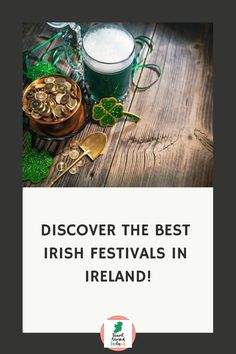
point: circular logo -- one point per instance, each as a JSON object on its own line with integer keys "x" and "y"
{"x": 118, "y": 333}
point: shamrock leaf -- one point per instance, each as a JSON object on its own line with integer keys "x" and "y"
{"x": 35, "y": 163}
{"x": 109, "y": 110}
{"x": 42, "y": 68}
{"x": 107, "y": 120}
{"x": 98, "y": 112}
{"x": 108, "y": 103}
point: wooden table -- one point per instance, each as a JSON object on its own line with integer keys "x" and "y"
{"x": 172, "y": 146}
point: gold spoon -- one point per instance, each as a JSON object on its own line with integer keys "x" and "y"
{"x": 93, "y": 146}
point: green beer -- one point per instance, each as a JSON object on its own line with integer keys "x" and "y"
{"x": 108, "y": 54}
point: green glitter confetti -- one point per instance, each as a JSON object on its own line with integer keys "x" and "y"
{"x": 41, "y": 69}
{"x": 109, "y": 110}
{"x": 35, "y": 164}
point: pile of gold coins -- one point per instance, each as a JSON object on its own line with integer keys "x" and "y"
{"x": 52, "y": 100}
{"x": 72, "y": 152}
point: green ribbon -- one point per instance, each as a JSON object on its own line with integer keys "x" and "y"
{"x": 44, "y": 67}
{"x": 139, "y": 64}
{"x": 57, "y": 53}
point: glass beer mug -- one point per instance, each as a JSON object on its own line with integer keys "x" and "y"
{"x": 108, "y": 54}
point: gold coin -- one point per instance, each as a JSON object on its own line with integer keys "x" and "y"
{"x": 68, "y": 85}
{"x": 71, "y": 103}
{"x": 74, "y": 144}
{"x": 29, "y": 108}
{"x": 52, "y": 103}
{"x": 39, "y": 86}
{"x": 64, "y": 98}
{"x": 46, "y": 111}
{"x": 80, "y": 163}
{"x": 74, "y": 88}
{"x": 54, "y": 90}
{"x": 61, "y": 88}
{"x": 74, "y": 170}
{"x": 36, "y": 105}
{"x": 58, "y": 97}
{"x": 66, "y": 110}
{"x": 73, "y": 94}
{"x": 60, "y": 80}
{"x": 49, "y": 80}
{"x": 59, "y": 111}
{"x": 26, "y": 109}
{"x": 61, "y": 166}
{"x": 65, "y": 151}
{"x": 42, "y": 110}
{"x": 49, "y": 86}
{"x": 74, "y": 154}
{"x": 40, "y": 95}
{"x": 36, "y": 115}
{"x": 30, "y": 93}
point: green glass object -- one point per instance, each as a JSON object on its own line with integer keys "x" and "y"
{"x": 105, "y": 85}
{"x": 108, "y": 56}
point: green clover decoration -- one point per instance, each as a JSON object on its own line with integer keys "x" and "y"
{"x": 109, "y": 110}
{"x": 35, "y": 163}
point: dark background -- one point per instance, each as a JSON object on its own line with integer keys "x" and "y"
{"x": 224, "y": 129}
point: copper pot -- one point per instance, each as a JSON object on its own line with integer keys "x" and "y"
{"x": 58, "y": 128}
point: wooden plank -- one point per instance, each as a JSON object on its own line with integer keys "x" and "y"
{"x": 173, "y": 144}
{"x": 94, "y": 173}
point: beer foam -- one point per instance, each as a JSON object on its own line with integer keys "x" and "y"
{"x": 110, "y": 47}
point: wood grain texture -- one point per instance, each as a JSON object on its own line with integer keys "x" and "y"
{"x": 173, "y": 143}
